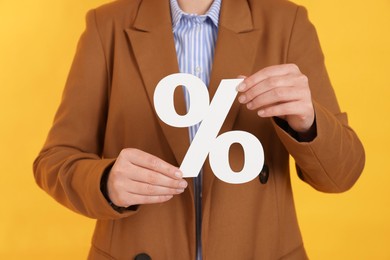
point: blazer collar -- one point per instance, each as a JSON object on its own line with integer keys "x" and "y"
{"x": 236, "y": 16}
{"x": 153, "y": 14}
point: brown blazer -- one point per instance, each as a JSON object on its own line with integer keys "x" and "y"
{"x": 107, "y": 106}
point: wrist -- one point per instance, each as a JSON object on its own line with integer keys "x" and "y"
{"x": 304, "y": 136}
{"x": 309, "y": 135}
{"x": 104, "y": 191}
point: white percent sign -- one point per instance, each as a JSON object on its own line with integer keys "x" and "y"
{"x": 212, "y": 116}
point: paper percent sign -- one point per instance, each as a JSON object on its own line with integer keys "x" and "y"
{"x": 212, "y": 117}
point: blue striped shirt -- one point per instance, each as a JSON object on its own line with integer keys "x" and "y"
{"x": 195, "y": 37}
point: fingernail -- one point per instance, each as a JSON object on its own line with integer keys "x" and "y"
{"x": 241, "y": 86}
{"x": 241, "y": 99}
{"x": 261, "y": 112}
{"x": 180, "y": 190}
{"x": 183, "y": 184}
{"x": 178, "y": 174}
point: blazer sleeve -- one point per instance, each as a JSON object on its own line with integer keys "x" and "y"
{"x": 334, "y": 160}
{"x": 69, "y": 166}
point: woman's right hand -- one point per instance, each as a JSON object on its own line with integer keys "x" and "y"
{"x": 138, "y": 178}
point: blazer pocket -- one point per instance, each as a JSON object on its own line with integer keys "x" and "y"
{"x": 298, "y": 253}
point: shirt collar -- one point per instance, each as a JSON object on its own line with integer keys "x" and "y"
{"x": 212, "y": 13}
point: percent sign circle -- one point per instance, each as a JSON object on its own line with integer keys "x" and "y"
{"x": 212, "y": 117}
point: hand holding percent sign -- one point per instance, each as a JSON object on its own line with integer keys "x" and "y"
{"x": 212, "y": 116}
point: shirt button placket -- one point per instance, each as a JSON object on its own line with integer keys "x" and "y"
{"x": 198, "y": 71}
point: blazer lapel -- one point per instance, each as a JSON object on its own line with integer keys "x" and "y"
{"x": 236, "y": 49}
{"x": 151, "y": 38}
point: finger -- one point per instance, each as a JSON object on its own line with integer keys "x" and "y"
{"x": 148, "y": 161}
{"x": 141, "y": 199}
{"x": 148, "y": 176}
{"x": 148, "y": 189}
{"x": 276, "y": 96}
{"x": 129, "y": 199}
{"x": 285, "y": 109}
{"x": 271, "y": 71}
{"x": 269, "y": 84}
{"x": 120, "y": 194}
{"x": 300, "y": 117}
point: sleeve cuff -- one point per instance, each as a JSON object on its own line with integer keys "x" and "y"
{"x": 96, "y": 201}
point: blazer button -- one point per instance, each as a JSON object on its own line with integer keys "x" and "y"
{"x": 264, "y": 174}
{"x": 142, "y": 256}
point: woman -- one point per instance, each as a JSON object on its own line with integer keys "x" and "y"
{"x": 109, "y": 157}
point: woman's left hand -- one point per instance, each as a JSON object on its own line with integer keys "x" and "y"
{"x": 280, "y": 91}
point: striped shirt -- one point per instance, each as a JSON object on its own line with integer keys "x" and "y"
{"x": 195, "y": 37}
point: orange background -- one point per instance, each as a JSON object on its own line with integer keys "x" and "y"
{"x": 37, "y": 44}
